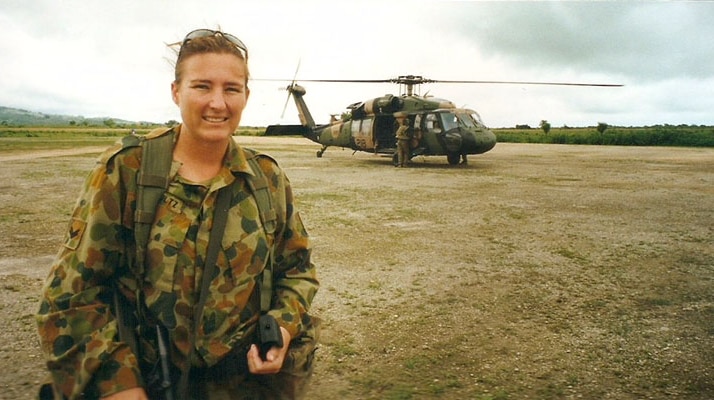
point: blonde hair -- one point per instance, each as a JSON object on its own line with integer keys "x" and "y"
{"x": 205, "y": 45}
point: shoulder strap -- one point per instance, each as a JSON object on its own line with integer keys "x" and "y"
{"x": 152, "y": 181}
{"x": 156, "y": 158}
{"x": 261, "y": 191}
{"x": 258, "y": 185}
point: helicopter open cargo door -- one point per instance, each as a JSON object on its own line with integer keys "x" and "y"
{"x": 384, "y": 134}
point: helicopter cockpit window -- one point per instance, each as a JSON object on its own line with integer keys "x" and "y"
{"x": 466, "y": 120}
{"x": 476, "y": 117}
{"x": 450, "y": 121}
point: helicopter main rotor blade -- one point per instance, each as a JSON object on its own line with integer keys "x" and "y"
{"x": 531, "y": 83}
{"x": 418, "y": 80}
{"x": 348, "y": 80}
{"x": 328, "y": 80}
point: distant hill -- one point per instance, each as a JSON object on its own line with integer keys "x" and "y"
{"x": 18, "y": 117}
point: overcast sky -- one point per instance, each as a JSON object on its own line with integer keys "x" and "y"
{"x": 106, "y": 58}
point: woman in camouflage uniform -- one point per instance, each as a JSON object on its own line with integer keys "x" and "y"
{"x": 77, "y": 327}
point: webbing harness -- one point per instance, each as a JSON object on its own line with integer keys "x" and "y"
{"x": 152, "y": 181}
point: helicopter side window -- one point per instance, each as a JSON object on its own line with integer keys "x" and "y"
{"x": 366, "y": 127}
{"x": 417, "y": 128}
{"x": 432, "y": 123}
{"x": 355, "y": 128}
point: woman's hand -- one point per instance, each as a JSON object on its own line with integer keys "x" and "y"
{"x": 273, "y": 359}
{"x": 130, "y": 394}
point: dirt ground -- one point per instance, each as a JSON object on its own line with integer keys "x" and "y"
{"x": 535, "y": 271}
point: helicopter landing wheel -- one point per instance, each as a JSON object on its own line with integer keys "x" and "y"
{"x": 319, "y": 152}
{"x": 453, "y": 158}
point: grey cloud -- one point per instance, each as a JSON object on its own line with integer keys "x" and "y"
{"x": 638, "y": 40}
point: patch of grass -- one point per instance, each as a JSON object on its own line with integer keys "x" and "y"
{"x": 342, "y": 350}
{"x": 623, "y": 329}
{"x": 401, "y": 392}
{"x": 374, "y": 285}
{"x": 654, "y": 302}
{"x": 440, "y": 386}
{"x": 551, "y": 391}
{"x": 498, "y": 395}
{"x": 417, "y": 362}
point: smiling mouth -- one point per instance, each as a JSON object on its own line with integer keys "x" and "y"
{"x": 215, "y": 119}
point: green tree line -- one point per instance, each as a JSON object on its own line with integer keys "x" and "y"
{"x": 658, "y": 135}
{"x": 602, "y": 134}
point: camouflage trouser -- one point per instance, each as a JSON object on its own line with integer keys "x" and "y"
{"x": 230, "y": 379}
{"x": 234, "y": 382}
{"x": 402, "y": 152}
{"x": 282, "y": 386}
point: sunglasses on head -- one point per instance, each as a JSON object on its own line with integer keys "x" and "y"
{"x": 201, "y": 33}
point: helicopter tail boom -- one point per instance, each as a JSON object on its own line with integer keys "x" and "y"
{"x": 287, "y": 130}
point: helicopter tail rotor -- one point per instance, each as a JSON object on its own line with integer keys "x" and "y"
{"x": 292, "y": 84}
{"x": 285, "y": 106}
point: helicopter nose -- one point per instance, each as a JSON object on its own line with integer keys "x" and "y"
{"x": 467, "y": 141}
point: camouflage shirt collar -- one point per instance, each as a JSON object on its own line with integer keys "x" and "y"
{"x": 235, "y": 159}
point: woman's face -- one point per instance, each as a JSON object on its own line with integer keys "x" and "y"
{"x": 211, "y": 95}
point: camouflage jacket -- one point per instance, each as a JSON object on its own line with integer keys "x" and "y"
{"x": 76, "y": 325}
{"x": 402, "y": 132}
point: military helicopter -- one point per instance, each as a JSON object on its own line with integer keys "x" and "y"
{"x": 436, "y": 127}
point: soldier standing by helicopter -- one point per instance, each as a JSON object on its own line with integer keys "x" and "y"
{"x": 403, "y": 142}
{"x": 222, "y": 259}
